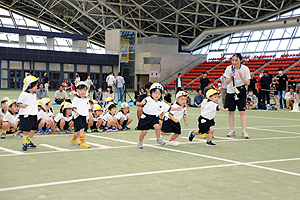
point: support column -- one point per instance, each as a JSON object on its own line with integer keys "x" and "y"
{"x": 50, "y": 43}
{"x": 22, "y": 41}
{"x": 79, "y": 46}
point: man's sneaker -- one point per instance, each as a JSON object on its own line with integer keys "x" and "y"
{"x": 68, "y": 131}
{"x": 40, "y": 132}
{"x": 24, "y": 147}
{"x": 210, "y": 144}
{"x": 113, "y": 128}
{"x": 99, "y": 130}
{"x": 245, "y": 135}
{"x": 31, "y": 145}
{"x": 160, "y": 141}
{"x": 172, "y": 143}
{"x": 3, "y": 136}
{"x": 231, "y": 134}
{"x": 202, "y": 136}
{"x": 88, "y": 130}
{"x": 48, "y": 131}
{"x": 85, "y": 145}
{"x": 74, "y": 142}
{"x": 62, "y": 131}
{"x": 140, "y": 145}
{"x": 191, "y": 136}
{"x": 105, "y": 128}
{"x": 126, "y": 128}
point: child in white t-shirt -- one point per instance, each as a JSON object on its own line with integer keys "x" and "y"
{"x": 209, "y": 107}
{"x": 123, "y": 116}
{"x": 64, "y": 118}
{"x": 45, "y": 117}
{"x": 96, "y": 120}
{"x": 110, "y": 120}
{"x": 3, "y": 110}
{"x": 11, "y": 120}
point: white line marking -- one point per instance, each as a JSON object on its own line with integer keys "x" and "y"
{"x": 117, "y": 140}
{"x": 112, "y": 177}
{"x": 11, "y": 151}
{"x": 224, "y": 138}
{"x": 271, "y": 161}
{"x": 261, "y": 129}
{"x": 99, "y": 145}
{"x": 53, "y": 147}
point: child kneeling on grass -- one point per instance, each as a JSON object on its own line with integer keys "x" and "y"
{"x": 11, "y": 120}
{"x": 153, "y": 106}
{"x": 171, "y": 121}
{"x": 123, "y": 116}
{"x": 206, "y": 121}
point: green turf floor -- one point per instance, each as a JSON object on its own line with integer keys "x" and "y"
{"x": 266, "y": 166}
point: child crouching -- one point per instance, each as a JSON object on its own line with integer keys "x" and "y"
{"x": 64, "y": 118}
{"x": 11, "y": 120}
{"x": 123, "y": 116}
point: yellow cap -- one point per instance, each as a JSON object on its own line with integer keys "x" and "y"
{"x": 27, "y": 80}
{"x": 211, "y": 92}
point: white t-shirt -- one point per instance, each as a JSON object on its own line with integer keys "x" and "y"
{"x": 2, "y": 112}
{"x": 208, "y": 109}
{"x": 108, "y": 116}
{"x": 77, "y": 80}
{"x": 82, "y": 105}
{"x": 121, "y": 114}
{"x": 29, "y": 99}
{"x": 110, "y": 79}
{"x": 97, "y": 118}
{"x": 153, "y": 107}
{"x": 60, "y": 116}
{"x": 179, "y": 82}
{"x": 120, "y": 81}
{"x": 237, "y": 79}
{"x": 89, "y": 82}
{"x": 44, "y": 115}
{"x": 10, "y": 117}
{"x": 176, "y": 114}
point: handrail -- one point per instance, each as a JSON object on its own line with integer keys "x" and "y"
{"x": 180, "y": 69}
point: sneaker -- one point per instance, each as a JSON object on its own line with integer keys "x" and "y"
{"x": 31, "y": 145}
{"x": 231, "y": 134}
{"x": 88, "y": 130}
{"x": 74, "y": 142}
{"x": 40, "y": 132}
{"x": 105, "y": 128}
{"x": 210, "y": 144}
{"x": 3, "y": 136}
{"x": 48, "y": 131}
{"x": 120, "y": 129}
{"x": 172, "y": 143}
{"x": 191, "y": 136}
{"x": 126, "y": 128}
{"x": 68, "y": 131}
{"x": 160, "y": 141}
{"x": 202, "y": 136}
{"x": 245, "y": 135}
{"x": 140, "y": 145}
{"x": 17, "y": 135}
{"x": 113, "y": 129}
{"x": 24, "y": 147}
{"x": 62, "y": 131}
{"x": 57, "y": 129}
{"x": 85, "y": 146}
{"x": 99, "y": 130}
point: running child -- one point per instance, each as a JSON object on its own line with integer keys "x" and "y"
{"x": 11, "y": 120}
{"x": 28, "y": 111}
{"x": 110, "y": 120}
{"x": 209, "y": 107}
{"x": 64, "y": 118}
{"x": 81, "y": 108}
{"x": 171, "y": 121}
{"x": 3, "y": 109}
{"x": 153, "y": 106}
{"x": 96, "y": 120}
{"x": 45, "y": 117}
{"x": 123, "y": 116}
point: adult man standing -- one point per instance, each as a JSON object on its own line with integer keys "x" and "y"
{"x": 282, "y": 81}
{"x": 204, "y": 81}
{"x": 60, "y": 95}
{"x": 77, "y": 79}
{"x": 120, "y": 82}
{"x": 46, "y": 82}
{"x": 89, "y": 83}
{"x": 178, "y": 83}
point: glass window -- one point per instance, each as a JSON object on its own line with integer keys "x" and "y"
{"x": 54, "y": 66}
{"x": 225, "y": 40}
{"x": 4, "y": 12}
{"x": 251, "y": 46}
{"x": 69, "y": 67}
{"x": 283, "y": 44}
{"x": 4, "y": 64}
{"x": 261, "y": 46}
{"x": 295, "y": 44}
{"x": 106, "y": 69}
{"x": 26, "y": 65}
{"x": 4, "y": 73}
{"x": 15, "y": 64}
{"x": 13, "y": 37}
{"x": 95, "y": 68}
{"x": 216, "y": 45}
{"x": 4, "y": 83}
{"x": 232, "y": 48}
{"x": 40, "y": 66}
{"x": 256, "y": 35}
{"x": 240, "y": 47}
{"x": 7, "y": 22}
{"x": 81, "y": 68}
{"x": 288, "y": 32}
{"x": 30, "y": 22}
{"x": 265, "y": 35}
{"x": 278, "y": 33}
{"x": 273, "y": 45}
{"x": 235, "y": 39}
{"x": 298, "y": 32}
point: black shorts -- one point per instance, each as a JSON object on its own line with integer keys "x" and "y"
{"x": 124, "y": 123}
{"x": 28, "y": 123}
{"x": 80, "y": 123}
{"x": 94, "y": 126}
{"x": 205, "y": 124}
{"x": 170, "y": 126}
{"x": 66, "y": 126}
{"x": 231, "y": 103}
{"x": 148, "y": 122}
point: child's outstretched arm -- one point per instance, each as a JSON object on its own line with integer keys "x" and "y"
{"x": 185, "y": 120}
{"x": 141, "y": 104}
{"x": 176, "y": 108}
{"x": 173, "y": 118}
{"x": 223, "y": 109}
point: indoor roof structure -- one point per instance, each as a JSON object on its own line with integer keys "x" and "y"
{"x": 182, "y": 19}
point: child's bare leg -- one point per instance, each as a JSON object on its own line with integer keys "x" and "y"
{"x": 121, "y": 121}
{"x": 31, "y": 133}
{"x": 211, "y": 133}
{"x": 5, "y": 127}
{"x": 62, "y": 124}
{"x": 129, "y": 121}
{"x": 110, "y": 122}
{"x": 98, "y": 124}
{"x": 90, "y": 122}
{"x": 196, "y": 133}
{"x": 174, "y": 136}
{"x": 142, "y": 135}
{"x": 42, "y": 123}
{"x": 163, "y": 133}
{"x": 157, "y": 130}
{"x": 50, "y": 123}
{"x": 139, "y": 112}
{"x": 71, "y": 124}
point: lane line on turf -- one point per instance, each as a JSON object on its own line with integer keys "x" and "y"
{"x": 53, "y": 147}
{"x": 270, "y": 130}
{"x": 113, "y": 177}
{"x": 271, "y": 161}
{"x": 98, "y": 145}
{"x": 108, "y": 138}
{"x": 11, "y": 151}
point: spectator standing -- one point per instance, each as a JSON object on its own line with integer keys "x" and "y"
{"x": 259, "y": 95}
{"x": 60, "y": 95}
{"x": 109, "y": 93}
{"x": 77, "y": 79}
{"x": 204, "y": 81}
{"x": 98, "y": 95}
{"x": 265, "y": 83}
{"x": 120, "y": 82}
{"x": 168, "y": 98}
{"x": 41, "y": 92}
{"x": 253, "y": 84}
{"x": 292, "y": 83}
{"x": 224, "y": 89}
{"x": 290, "y": 97}
{"x": 111, "y": 81}
{"x": 198, "y": 98}
{"x": 89, "y": 83}
{"x": 46, "y": 82}
{"x": 282, "y": 87}
{"x": 178, "y": 83}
